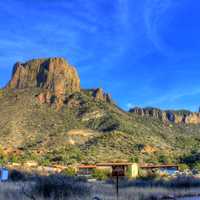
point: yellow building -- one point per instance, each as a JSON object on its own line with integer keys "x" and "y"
{"x": 115, "y": 169}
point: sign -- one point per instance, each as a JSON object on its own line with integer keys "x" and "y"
{"x": 118, "y": 171}
{"x": 4, "y": 174}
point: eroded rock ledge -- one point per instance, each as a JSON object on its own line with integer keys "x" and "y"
{"x": 181, "y": 116}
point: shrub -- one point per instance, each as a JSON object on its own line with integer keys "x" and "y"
{"x": 70, "y": 171}
{"x": 44, "y": 161}
{"x": 179, "y": 182}
{"x": 134, "y": 159}
{"x": 196, "y": 166}
{"x": 16, "y": 175}
{"x": 128, "y": 173}
{"x": 59, "y": 186}
{"x": 183, "y": 167}
{"x": 184, "y": 182}
{"x": 1, "y": 92}
{"x": 148, "y": 174}
{"x": 101, "y": 174}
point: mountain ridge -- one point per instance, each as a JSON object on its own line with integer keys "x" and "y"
{"x": 168, "y": 116}
{"x": 55, "y": 120}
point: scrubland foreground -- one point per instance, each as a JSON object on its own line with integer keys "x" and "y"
{"x": 60, "y": 187}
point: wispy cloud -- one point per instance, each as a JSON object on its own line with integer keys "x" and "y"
{"x": 174, "y": 96}
{"x": 119, "y": 45}
{"x": 155, "y": 13}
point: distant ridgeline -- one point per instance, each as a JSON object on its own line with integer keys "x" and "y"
{"x": 173, "y": 116}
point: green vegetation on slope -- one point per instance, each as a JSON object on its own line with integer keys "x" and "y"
{"x": 33, "y": 131}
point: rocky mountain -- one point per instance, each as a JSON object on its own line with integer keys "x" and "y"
{"x": 55, "y": 76}
{"x": 46, "y": 116}
{"x": 173, "y": 116}
{"x": 57, "y": 79}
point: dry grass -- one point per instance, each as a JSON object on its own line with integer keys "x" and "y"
{"x": 13, "y": 191}
{"x": 58, "y": 187}
{"x": 108, "y": 192}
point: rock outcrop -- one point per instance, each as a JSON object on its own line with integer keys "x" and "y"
{"x": 193, "y": 118}
{"x": 57, "y": 79}
{"x": 53, "y": 74}
{"x": 177, "y": 117}
{"x": 99, "y": 94}
{"x": 149, "y": 112}
{"x": 45, "y": 97}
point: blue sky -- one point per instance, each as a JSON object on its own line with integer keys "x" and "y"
{"x": 144, "y": 52}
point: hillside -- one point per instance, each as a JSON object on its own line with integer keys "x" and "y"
{"x": 46, "y": 116}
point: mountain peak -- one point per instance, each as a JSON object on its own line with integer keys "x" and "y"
{"x": 54, "y": 74}
{"x": 56, "y": 78}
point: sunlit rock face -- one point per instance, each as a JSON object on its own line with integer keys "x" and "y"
{"x": 193, "y": 118}
{"x": 57, "y": 80}
{"x": 168, "y": 116}
{"x": 54, "y": 75}
{"x": 148, "y": 112}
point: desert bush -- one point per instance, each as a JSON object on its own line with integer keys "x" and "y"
{"x": 196, "y": 166}
{"x": 179, "y": 182}
{"x": 148, "y": 174}
{"x": 44, "y": 161}
{"x": 183, "y": 167}
{"x": 60, "y": 186}
{"x": 134, "y": 159}
{"x": 101, "y": 174}
{"x": 192, "y": 158}
{"x": 16, "y": 175}
{"x": 70, "y": 171}
{"x": 1, "y": 92}
{"x": 184, "y": 182}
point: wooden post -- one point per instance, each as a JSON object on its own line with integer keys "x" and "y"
{"x": 118, "y": 171}
{"x": 117, "y": 186}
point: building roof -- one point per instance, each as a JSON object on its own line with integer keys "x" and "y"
{"x": 87, "y": 166}
{"x": 113, "y": 164}
{"x": 156, "y": 166}
{"x": 104, "y": 165}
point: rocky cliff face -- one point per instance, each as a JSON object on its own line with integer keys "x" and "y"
{"x": 54, "y": 76}
{"x": 177, "y": 117}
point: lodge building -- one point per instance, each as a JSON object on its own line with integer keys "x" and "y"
{"x": 124, "y": 169}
